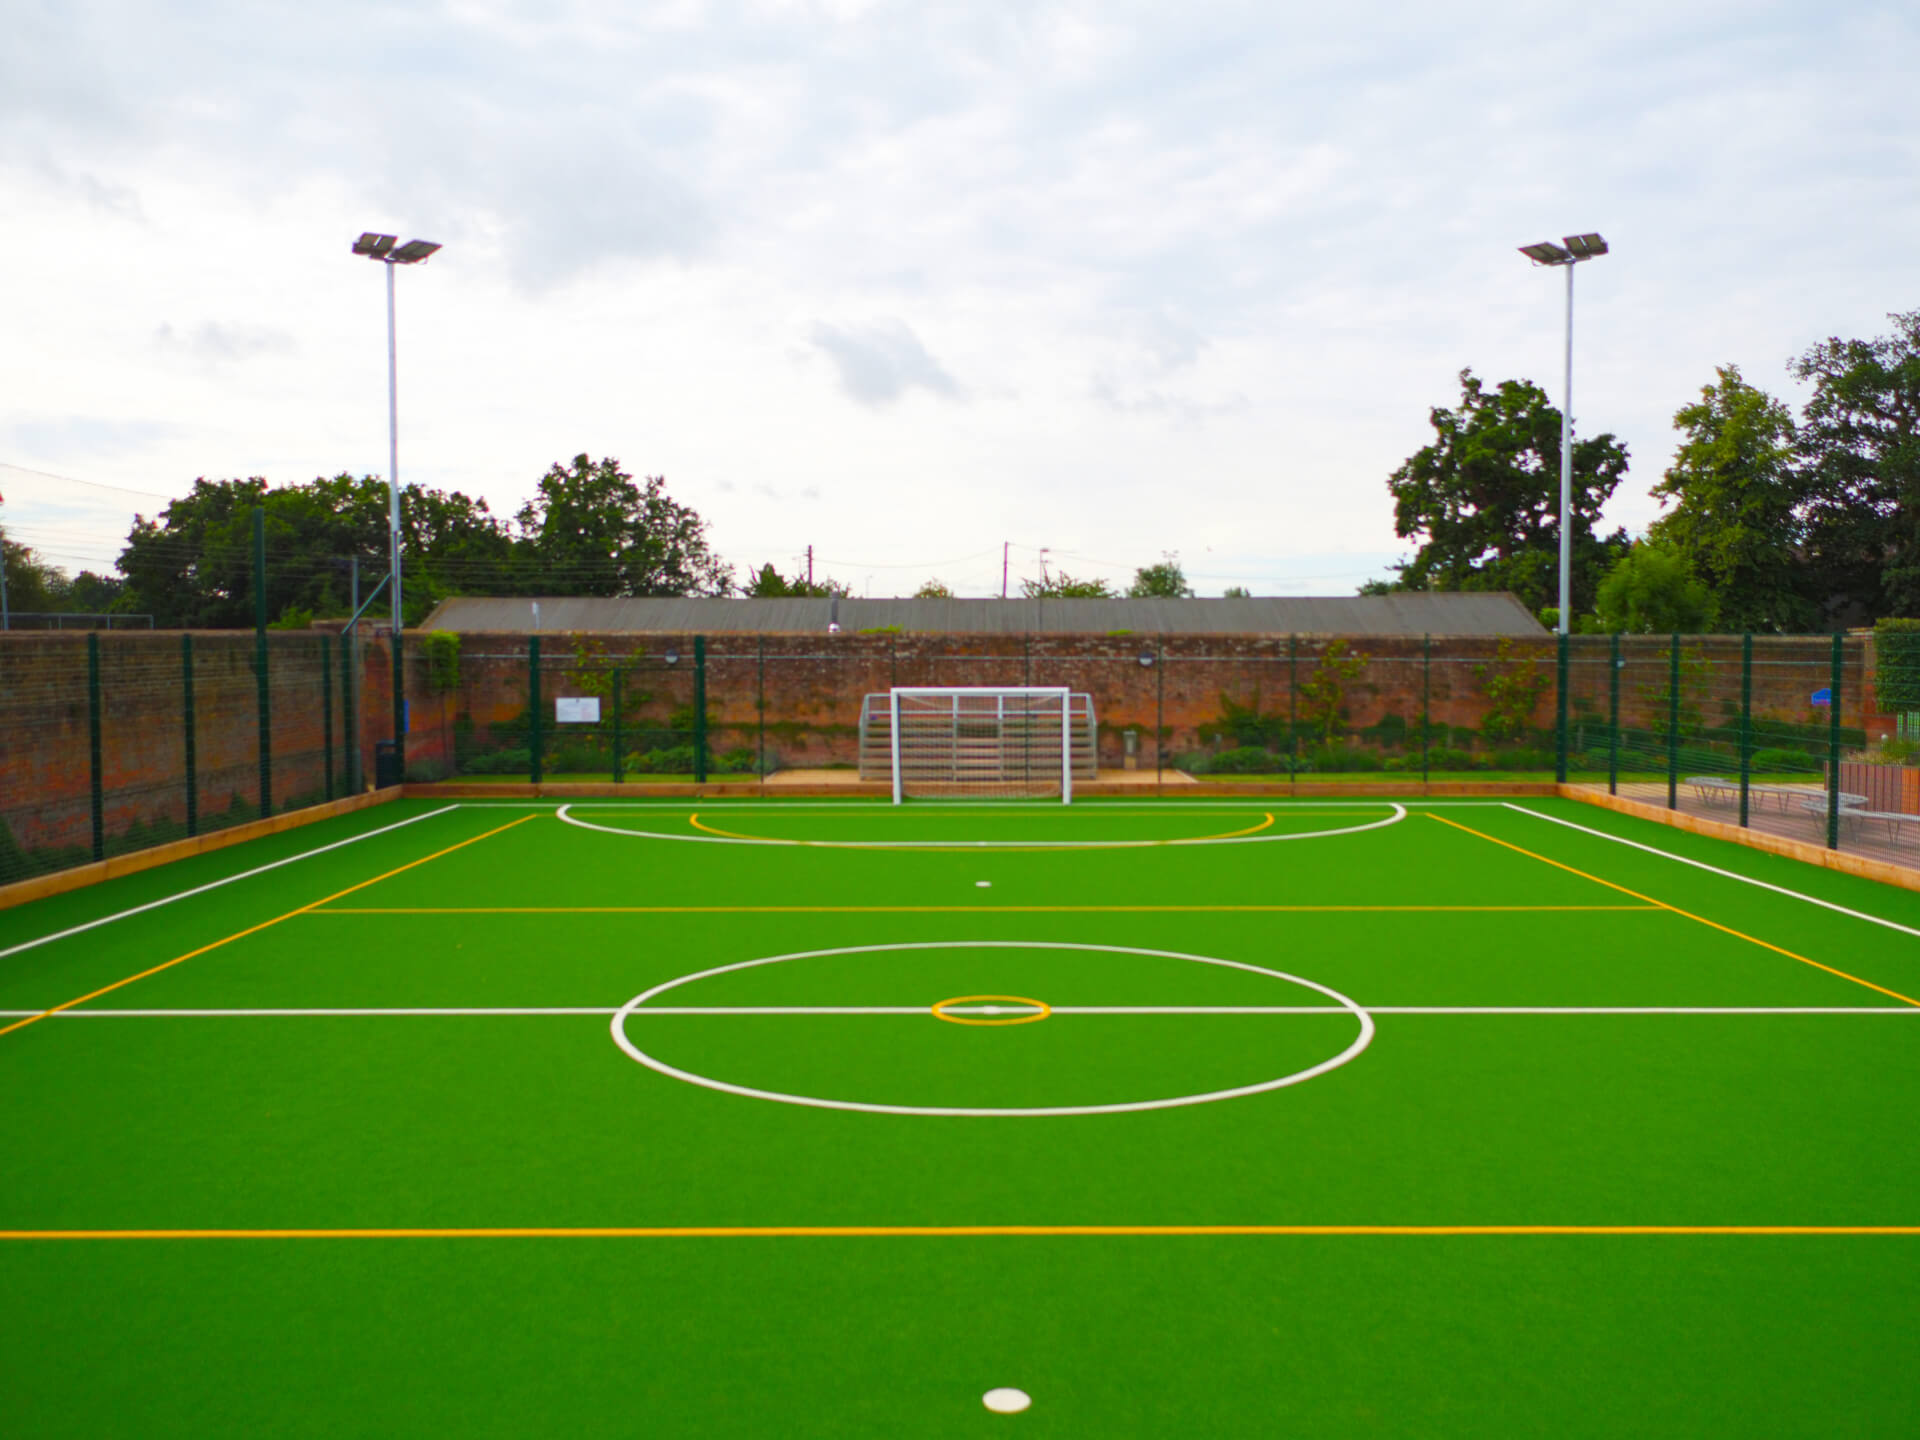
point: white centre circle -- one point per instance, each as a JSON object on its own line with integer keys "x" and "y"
{"x": 1005, "y": 1400}
{"x": 653, "y": 1062}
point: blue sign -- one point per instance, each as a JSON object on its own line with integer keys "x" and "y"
{"x": 1823, "y": 697}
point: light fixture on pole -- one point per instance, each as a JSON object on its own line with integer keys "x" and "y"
{"x": 1576, "y": 249}
{"x": 388, "y": 252}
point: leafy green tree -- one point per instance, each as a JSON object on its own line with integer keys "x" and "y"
{"x": 934, "y": 589}
{"x": 595, "y": 531}
{"x": 767, "y": 583}
{"x": 1513, "y": 682}
{"x": 1162, "y": 581}
{"x": 1737, "y": 495}
{"x": 1860, "y": 437}
{"x": 1651, "y": 591}
{"x": 192, "y": 566}
{"x": 1323, "y": 694}
{"x": 1062, "y": 586}
{"x": 1236, "y": 592}
{"x": 1484, "y": 498}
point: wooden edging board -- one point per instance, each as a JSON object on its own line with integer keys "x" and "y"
{"x": 134, "y": 861}
{"x": 1885, "y": 871}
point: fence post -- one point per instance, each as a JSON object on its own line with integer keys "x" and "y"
{"x": 533, "y": 708}
{"x": 264, "y": 705}
{"x": 1614, "y": 663}
{"x": 1746, "y": 723}
{"x": 1293, "y": 734}
{"x": 760, "y": 710}
{"x": 1833, "y": 743}
{"x": 326, "y": 714}
{"x": 1426, "y": 703}
{"x": 1560, "y": 714}
{"x": 619, "y": 775}
{"x": 699, "y": 709}
{"x": 93, "y": 743}
{"x": 186, "y": 725}
{"x": 1160, "y": 713}
{"x": 349, "y": 736}
{"x": 1673, "y": 723}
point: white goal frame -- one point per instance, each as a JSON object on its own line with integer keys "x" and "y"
{"x": 1063, "y": 693}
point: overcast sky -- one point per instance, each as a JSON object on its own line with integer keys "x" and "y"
{"x": 906, "y": 281}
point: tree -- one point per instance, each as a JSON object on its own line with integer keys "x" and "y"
{"x": 595, "y": 531}
{"x": 1650, "y": 591}
{"x": 1062, "y": 586}
{"x": 1164, "y": 581}
{"x": 1861, "y": 440}
{"x": 1236, "y": 592}
{"x": 768, "y": 583}
{"x": 1323, "y": 694}
{"x": 935, "y": 589}
{"x": 1484, "y": 498}
{"x": 1737, "y": 496}
{"x": 193, "y": 565}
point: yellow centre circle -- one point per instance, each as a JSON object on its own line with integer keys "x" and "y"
{"x": 1042, "y": 1009}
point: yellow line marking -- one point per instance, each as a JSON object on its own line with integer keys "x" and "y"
{"x": 1685, "y": 914}
{"x": 983, "y": 909}
{"x": 940, "y": 1010}
{"x": 845, "y": 1232}
{"x": 256, "y": 929}
{"x": 959, "y": 849}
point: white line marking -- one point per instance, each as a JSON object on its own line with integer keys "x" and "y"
{"x": 634, "y": 1052}
{"x": 1716, "y": 870}
{"x": 671, "y": 1010}
{"x": 1399, "y": 814}
{"x": 974, "y": 807}
{"x": 216, "y": 884}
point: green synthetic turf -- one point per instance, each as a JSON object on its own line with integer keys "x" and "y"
{"x": 258, "y": 1122}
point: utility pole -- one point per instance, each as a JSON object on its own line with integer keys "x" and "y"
{"x": 1006, "y": 549}
{"x": 809, "y": 569}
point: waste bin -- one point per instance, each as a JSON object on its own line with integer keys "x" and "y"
{"x": 386, "y": 764}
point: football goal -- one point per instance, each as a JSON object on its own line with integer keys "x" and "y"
{"x": 978, "y": 741}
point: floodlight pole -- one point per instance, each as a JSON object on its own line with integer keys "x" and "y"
{"x": 1577, "y": 248}
{"x": 1566, "y": 471}
{"x": 393, "y": 520}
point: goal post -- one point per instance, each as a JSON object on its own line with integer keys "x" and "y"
{"x": 978, "y": 741}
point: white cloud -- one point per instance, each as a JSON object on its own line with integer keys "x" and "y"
{"x": 1197, "y": 273}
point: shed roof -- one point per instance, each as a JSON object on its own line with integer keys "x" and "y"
{"x": 1401, "y": 613}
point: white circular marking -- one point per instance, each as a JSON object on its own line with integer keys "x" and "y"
{"x": 1006, "y": 1400}
{"x": 989, "y": 1009}
{"x": 1360, "y": 1042}
{"x": 1399, "y": 814}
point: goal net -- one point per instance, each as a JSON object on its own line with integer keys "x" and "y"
{"x": 978, "y": 741}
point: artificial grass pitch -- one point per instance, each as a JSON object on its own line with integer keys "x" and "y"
{"x": 1621, "y": 1150}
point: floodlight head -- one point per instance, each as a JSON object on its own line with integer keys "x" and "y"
{"x": 1585, "y": 247}
{"x": 414, "y": 251}
{"x": 373, "y": 246}
{"x": 1547, "y": 253}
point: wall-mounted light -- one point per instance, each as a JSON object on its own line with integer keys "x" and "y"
{"x": 1146, "y": 657}
{"x": 672, "y": 657}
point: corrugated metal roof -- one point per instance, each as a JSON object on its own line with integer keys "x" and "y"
{"x": 1402, "y": 613}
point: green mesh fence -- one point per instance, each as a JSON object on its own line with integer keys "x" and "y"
{"x": 1737, "y": 728}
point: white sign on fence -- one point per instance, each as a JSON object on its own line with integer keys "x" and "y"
{"x": 577, "y": 709}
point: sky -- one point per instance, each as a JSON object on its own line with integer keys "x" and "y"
{"x": 913, "y": 282}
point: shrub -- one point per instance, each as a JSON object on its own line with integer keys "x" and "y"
{"x": 1519, "y": 757}
{"x": 1345, "y": 758}
{"x": 1779, "y": 758}
{"x": 1442, "y": 757}
{"x": 500, "y": 762}
{"x": 1246, "y": 760}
